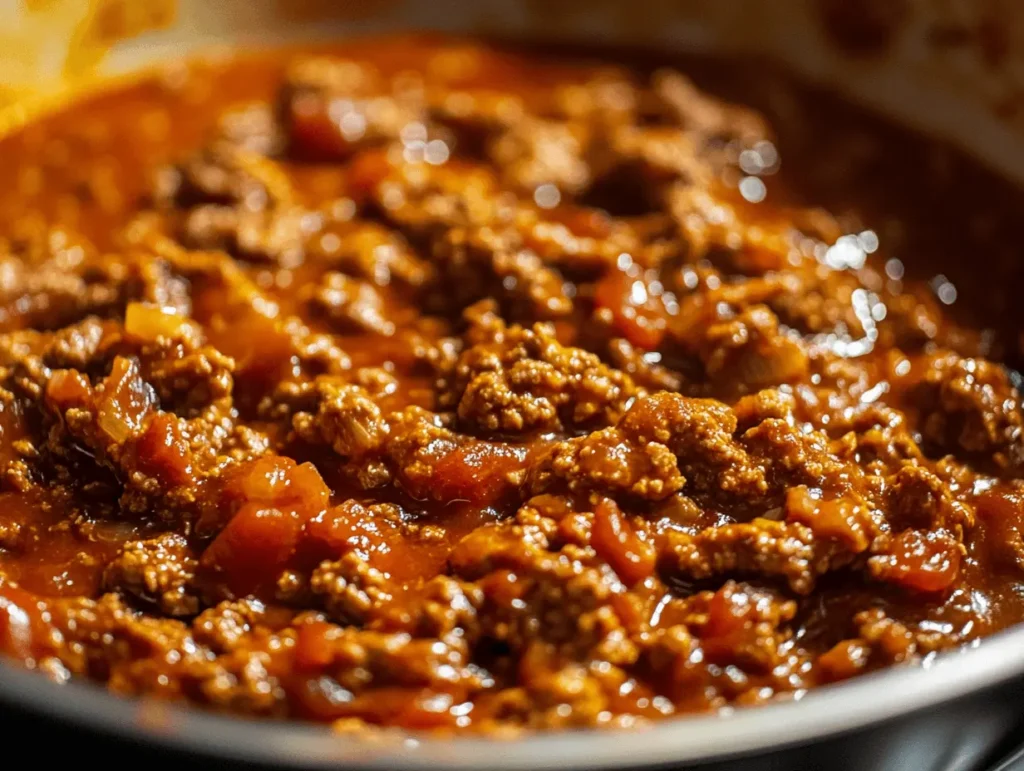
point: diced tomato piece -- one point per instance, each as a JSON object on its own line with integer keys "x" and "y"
{"x": 616, "y": 543}
{"x": 730, "y": 630}
{"x": 309, "y": 489}
{"x": 840, "y": 519}
{"x": 502, "y": 587}
{"x": 317, "y": 697}
{"x": 314, "y": 135}
{"x": 273, "y": 482}
{"x": 638, "y": 313}
{"x": 334, "y": 532}
{"x": 260, "y": 345}
{"x": 423, "y": 711}
{"x": 263, "y": 479}
{"x": 477, "y": 472}
{"x": 164, "y": 453}
{"x": 406, "y": 707}
{"x": 920, "y": 561}
{"x": 68, "y": 388}
{"x": 314, "y": 646}
{"x": 628, "y": 609}
{"x": 998, "y": 538}
{"x": 844, "y": 660}
{"x": 324, "y": 700}
{"x": 366, "y": 172}
{"x": 728, "y": 612}
{"x": 351, "y": 527}
{"x": 278, "y": 480}
{"x": 253, "y": 547}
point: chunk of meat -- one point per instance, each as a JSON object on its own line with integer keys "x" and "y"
{"x": 159, "y": 571}
{"x": 477, "y": 263}
{"x": 347, "y": 418}
{"x": 275, "y": 236}
{"x": 742, "y": 353}
{"x": 351, "y": 305}
{"x": 224, "y": 174}
{"x": 700, "y": 433}
{"x": 531, "y": 153}
{"x": 432, "y": 462}
{"x": 352, "y": 590}
{"x": 52, "y": 295}
{"x": 743, "y": 627}
{"x": 969, "y": 407}
{"x": 370, "y": 252}
{"x": 522, "y": 582}
{"x": 524, "y": 380}
{"x": 789, "y": 551}
{"x": 334, "y": 107}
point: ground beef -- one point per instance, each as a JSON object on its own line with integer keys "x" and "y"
{"x": 373, "y": 253}
{"x": 277, "y": 236}
{"x": 158, "y": 571}
{"x": 346, "y": 418}
{"x": 350, "y": 304}
{"x": 484, "y": 262}
{"x": 225, "y": 174}
{"x": 350, "y": 588}
{"x": 532, "y": 153}
{"x": 762, "y": 547}
{"x": 969, "y": 407}
{"x": 524, "y": 380}
{"x": 433, "y": 386}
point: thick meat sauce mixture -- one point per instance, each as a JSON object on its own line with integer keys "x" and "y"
{"x": 425, "y": 384}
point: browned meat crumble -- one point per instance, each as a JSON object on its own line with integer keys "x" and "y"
{"x": 429, "y": 385}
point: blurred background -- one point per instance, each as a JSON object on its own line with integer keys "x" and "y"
{"x": 953, "y": 67}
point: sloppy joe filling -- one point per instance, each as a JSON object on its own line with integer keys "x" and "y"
{"x": 437, "y": 385}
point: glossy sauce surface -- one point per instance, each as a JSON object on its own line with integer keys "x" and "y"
{"x": 442, "y": 385}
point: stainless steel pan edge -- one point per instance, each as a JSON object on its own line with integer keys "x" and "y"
{"x": 948, "y": 715}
